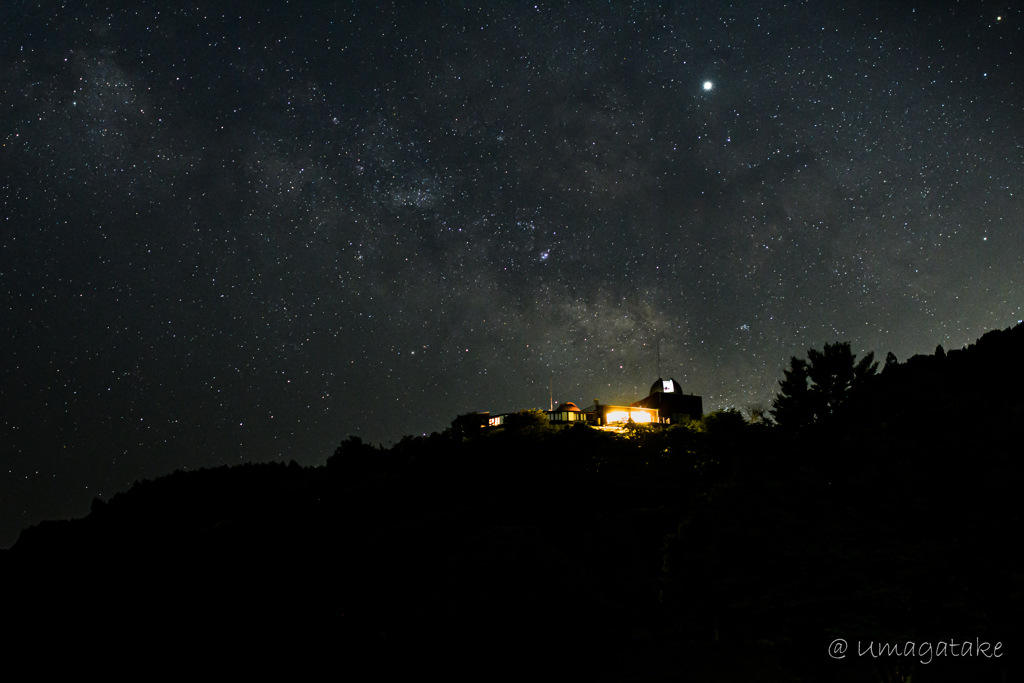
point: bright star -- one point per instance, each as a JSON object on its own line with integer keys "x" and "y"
{"x": 708, "y": 85}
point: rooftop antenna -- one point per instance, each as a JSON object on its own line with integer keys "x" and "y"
{"x": 551, "y": 391}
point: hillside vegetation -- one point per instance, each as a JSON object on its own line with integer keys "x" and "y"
{"x": 868, "y": 505}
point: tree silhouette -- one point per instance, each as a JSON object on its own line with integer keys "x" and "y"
{"x": 890, "y": 362}
{"x": 527, "y": 421}
{"x": 354, "y": 460}
{"x": 819, "y": 388}
{"x": 793, "y": 405}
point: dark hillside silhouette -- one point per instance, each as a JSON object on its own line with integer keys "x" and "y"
{"x": 881, "y": 506}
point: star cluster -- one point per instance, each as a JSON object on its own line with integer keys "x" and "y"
{"x": 234, "y": 232}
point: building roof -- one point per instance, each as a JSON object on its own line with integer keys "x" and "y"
{"x": 568, "y": 405}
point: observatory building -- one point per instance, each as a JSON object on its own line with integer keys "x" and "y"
{"x": 672, "y": 404}
{"x": 666, "y": 404}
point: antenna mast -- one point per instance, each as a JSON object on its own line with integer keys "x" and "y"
{"x": 551, "y": 391}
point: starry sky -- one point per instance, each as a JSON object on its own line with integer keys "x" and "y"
{"x": 234, "y": 231}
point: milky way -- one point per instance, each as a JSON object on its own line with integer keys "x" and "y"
{"x": 235, "y": 233}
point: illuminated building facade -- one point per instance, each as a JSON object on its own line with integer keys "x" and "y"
{"x": 666, "y": 404}
{"x": 604, "y": 416}
{"x": 567, "y": 413}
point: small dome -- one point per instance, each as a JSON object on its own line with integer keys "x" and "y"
{"x": 568, "y": 406}
{"x": 666, "y": 386}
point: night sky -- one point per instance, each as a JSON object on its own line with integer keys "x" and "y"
{"x": 240, "y": 231}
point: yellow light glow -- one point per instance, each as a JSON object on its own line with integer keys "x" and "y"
{"x": 614, "y": 416}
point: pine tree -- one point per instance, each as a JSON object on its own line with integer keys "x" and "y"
{"x": 823, "y": 386}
